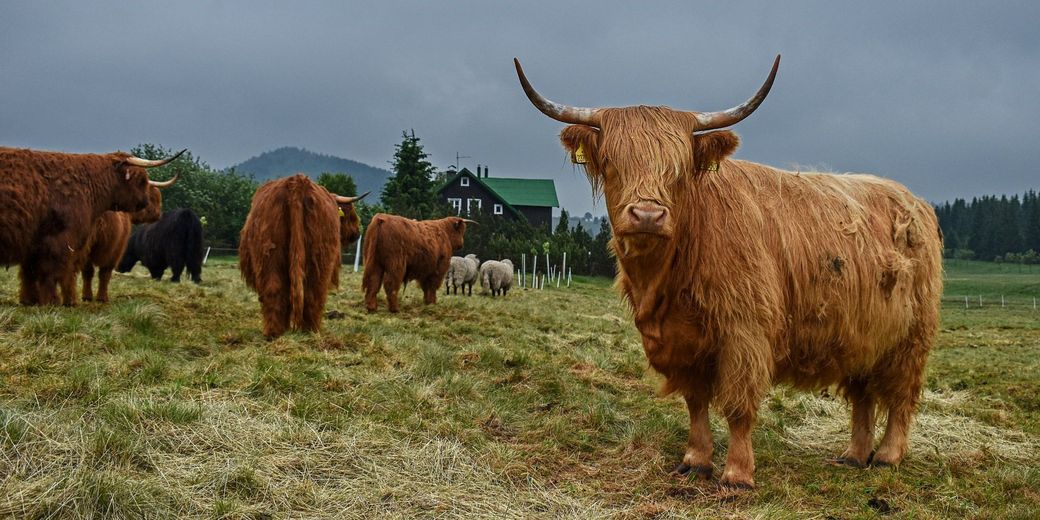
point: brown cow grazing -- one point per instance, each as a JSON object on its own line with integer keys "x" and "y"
{"x": 289, "y": 252}
{"x": 49, "y": 202}
{"x": 399, "y": 249}
{"x": 741, "y": 276}
{"x": 105, "y": 245}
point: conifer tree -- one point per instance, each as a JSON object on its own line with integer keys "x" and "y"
{"x": 410, "y": 192}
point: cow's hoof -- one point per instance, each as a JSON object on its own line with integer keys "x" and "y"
{"x": 848, "y": 462}
{"x": 700, "y": 472}
{"x": 882, "y": 464}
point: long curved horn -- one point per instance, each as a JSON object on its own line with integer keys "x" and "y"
{"x": 350, "y": 200}
{"x": 145, "y": 163}
{"x": 164, "y": 184}
{"x": 468, "y": 221}
{"x": 561, "y": 113}
{"x": 713, "y": 120}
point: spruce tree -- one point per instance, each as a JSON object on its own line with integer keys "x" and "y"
{"x": 564, "y": 224}
{"x": 410, "y": 192}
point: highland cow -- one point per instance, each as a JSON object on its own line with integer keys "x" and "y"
{"x": 105, "y": 246}
{"x": 49, "y": 202}
{"x": 174, "y": 242}
{"x": 741, "y": 276}
{"x": 289, "y": 251}
{"x": 399, "y": 249}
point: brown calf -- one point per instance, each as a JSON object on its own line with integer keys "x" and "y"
{"x": 399, "y": 249}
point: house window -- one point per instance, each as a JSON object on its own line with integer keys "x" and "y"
{"x": 464, "y": 181}
{"x": 470, "y": 203}
{"x": 498, "y": 209}
{"x": 456, "y": 204}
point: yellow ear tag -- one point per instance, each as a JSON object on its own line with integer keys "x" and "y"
{"x": 579, "y": 155}
{"x": 341, "y": 212}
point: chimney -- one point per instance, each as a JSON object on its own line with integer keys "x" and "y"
{"x": 485, "y": 171}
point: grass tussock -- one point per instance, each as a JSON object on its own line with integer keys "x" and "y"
{"x": 168, "y": 403}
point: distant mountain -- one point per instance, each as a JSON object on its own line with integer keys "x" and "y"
{"x": 288, "y": 160}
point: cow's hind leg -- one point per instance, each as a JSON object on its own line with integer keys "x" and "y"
{"x": 176, "y": 268}
{"x": 899, "y": 385}
{"x": 373, "y": 279}
{"x": 392, "y": 285}
{"x": 88, "y": 282}
{"x": 104, "y": 277}
{"x": 313, "y": 309}
{"x": 863, "y": 407}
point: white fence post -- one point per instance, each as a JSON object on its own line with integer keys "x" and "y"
{"x": 980, "y": 301}
{"x": 523, "y": 269}
{"x": 357, "y": 253}
{"x": 965, "y": 302}
{"x": 534, "y": 272}
{"x": 564, "y": 263}
{"x": 204, "y": 258}
{"x": 1001, "y": 301}
{"x": 569, "y": 273}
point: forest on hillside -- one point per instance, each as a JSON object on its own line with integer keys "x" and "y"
{"x": 992, "y": 228}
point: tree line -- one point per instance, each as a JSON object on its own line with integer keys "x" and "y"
{"x": 992, "y": 228}
{"x": 222, "y": 198}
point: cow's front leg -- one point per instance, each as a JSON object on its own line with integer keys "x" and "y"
{"x": 740, "y": 460}
{"x": 697, "y": 458}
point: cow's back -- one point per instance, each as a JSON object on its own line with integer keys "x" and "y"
{"x": 838, "y": 269}
{"x": 398, "y": 244}
{"x": 269, "y": 237}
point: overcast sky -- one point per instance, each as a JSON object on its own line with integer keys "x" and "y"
{"x": 942, "y": 96}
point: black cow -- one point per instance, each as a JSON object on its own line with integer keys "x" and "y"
{"x": 175, "y": 241}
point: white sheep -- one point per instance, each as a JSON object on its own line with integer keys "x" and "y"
{"x": 497, "y": 276}
{"x": 462, "y": 272}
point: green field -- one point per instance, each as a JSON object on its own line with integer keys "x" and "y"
{"x": 168, "y": 403}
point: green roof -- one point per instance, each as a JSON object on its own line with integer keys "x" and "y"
{"x": 524, "y": 192}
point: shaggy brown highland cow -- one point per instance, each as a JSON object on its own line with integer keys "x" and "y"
{"x": 289, "y": 252}
{"x": 49, "y": 202}
{"x": 741, "y": 276}
{"x": 399, "y": 249}
{"x": 105, "y": 245}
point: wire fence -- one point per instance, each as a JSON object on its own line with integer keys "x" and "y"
{"x": 979, "y": 301}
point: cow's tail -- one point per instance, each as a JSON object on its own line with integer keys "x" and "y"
{"x": 297, "y": 257}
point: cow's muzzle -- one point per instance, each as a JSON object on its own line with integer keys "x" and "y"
{"x": 646, "y": 217}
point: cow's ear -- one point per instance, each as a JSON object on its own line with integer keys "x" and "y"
{"x": 459, "y": 223}
{"x": 712, "y": 147}
{"x": 581, "y": 142}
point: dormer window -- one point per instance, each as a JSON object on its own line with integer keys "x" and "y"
{"x": 464, "y": 181}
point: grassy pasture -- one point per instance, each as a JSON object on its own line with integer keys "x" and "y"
{"x": 168, "y": 403}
